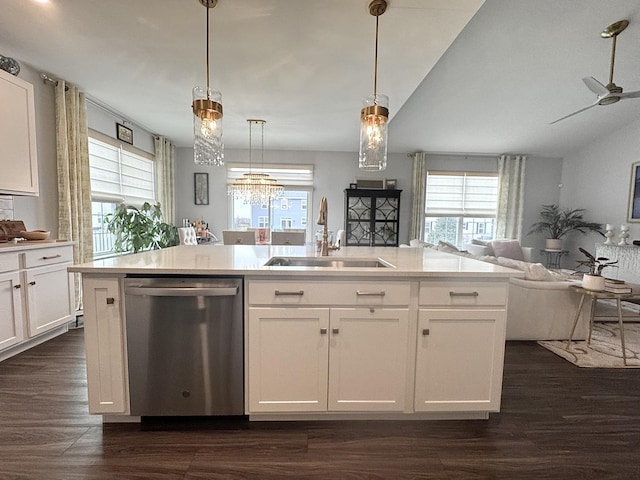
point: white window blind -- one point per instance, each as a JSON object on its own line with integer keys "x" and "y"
{"x": 120, "y": 175}
{"x": 461, "y": 194}
{"x": 287, "y": 175}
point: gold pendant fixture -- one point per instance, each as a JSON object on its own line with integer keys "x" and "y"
{"x": 208, "y": 148}
{"x": 256, "y": 188}
{"x": 374, "y": 115}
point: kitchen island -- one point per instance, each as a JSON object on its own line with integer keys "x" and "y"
{"x": 421, "y": 336}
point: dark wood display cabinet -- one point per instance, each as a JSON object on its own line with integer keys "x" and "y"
{"x": 372, "y": 217}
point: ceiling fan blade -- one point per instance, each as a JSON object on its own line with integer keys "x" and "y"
{"x": 635, "y": 94}
{"x": 575, "y": 113}
{"x": 595, "y": 86}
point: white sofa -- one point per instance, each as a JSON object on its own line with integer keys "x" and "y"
{"x": 541, "y": 306}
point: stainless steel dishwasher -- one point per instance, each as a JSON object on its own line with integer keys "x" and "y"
{"x": 185, "y": 345}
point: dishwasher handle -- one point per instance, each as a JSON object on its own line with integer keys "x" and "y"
{"x": 182, "y": 291}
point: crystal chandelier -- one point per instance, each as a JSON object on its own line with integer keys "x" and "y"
{"x": 256, "y": 188}
{"x": 208, "y": 148}
{"x": 375, "y": 113}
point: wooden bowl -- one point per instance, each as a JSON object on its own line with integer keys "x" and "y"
{"x": 35, "y": 235}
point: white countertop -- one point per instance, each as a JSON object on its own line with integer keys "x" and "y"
{"x": 30, "y": 244}
{"x": 250, "y": 260}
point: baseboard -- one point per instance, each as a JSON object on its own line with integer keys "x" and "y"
{"x": 32, "y": 342}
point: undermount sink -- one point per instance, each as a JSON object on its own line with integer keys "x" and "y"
{"x": 327, "y": 262}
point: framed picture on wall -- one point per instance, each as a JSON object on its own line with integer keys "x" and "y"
{"x": 124, "y": 134}
{"x": 634, "y": 194}
{"x": 201, "y": 188}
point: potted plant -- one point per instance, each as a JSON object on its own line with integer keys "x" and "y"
{"x": 141, "y": 228}
{"x": 594, "y": 279}
{"x": 557, "y": 222}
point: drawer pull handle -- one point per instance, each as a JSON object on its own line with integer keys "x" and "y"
{"x": 17, "y": 286}
{"x": 370, "y": 294}
{"x": 32, "y": 283}
{"x": 335, "y": 330}
{"x": 298, "y": 293}
{"x": 463, "y": 294}
{"x": 323, "y": 331}
{"x": 111, "y": 300}
{"x": 51, "y": 257}
{"x": 425, "y": 331}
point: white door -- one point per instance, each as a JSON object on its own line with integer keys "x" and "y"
{"x": 49, "y": 298}
{"x": 368, "y": 359}
{"x": 459, "y": 360}
{"x": 288, "y": 359}
{"x": 11, "y": 331}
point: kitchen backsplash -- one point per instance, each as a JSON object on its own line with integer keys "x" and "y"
{"x": 6, "y": 207}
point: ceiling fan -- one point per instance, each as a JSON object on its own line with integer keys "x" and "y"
{"x": 610, "y": 93}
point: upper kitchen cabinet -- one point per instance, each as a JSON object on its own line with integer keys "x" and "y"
{"x": 18, "y": 158}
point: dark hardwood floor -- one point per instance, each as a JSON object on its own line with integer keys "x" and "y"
{"x": 557, "y": 422}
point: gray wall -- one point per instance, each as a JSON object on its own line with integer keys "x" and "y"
{"x": 333, "y": 172}
{"x": 598, "y": 179}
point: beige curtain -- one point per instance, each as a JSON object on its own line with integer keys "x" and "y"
{"x": 165, "y": 153}
{"x": 511, "y": 170}
{"x": 418, "y": 189}
{"x": 74, "y": 184}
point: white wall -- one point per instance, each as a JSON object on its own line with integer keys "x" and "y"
{"x": 333, "y": 172}
{"x": 597, "y": 178}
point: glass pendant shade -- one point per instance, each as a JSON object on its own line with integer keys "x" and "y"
{"x": 208, "y": 148}
{"x": 374, "y": 133}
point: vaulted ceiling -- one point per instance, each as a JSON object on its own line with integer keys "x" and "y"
{"x": 468, "y": 76}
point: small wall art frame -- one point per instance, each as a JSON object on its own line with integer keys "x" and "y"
{"x": 634, "y": 194}
{"x": 201, "y": 188}
{"x": 124, "y": 134}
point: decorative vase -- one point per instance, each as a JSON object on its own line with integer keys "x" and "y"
{"x": 624, "y": 234}
{"x": 553, "y": 244}
{"x": 593, "y": 282}
{"x": 609, "y": 234}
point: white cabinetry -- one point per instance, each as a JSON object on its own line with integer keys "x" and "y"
{"x": 105, "y": 346}
{"x": 36, "y": 296}
{"x": 11, "y": 327}
{"x": 306, "y": 359}
{"x": 18, "y": 161}
{"x": 460, "y": 350}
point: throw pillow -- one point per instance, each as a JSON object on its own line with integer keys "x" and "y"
{"x": 508, "y": 248}
{"x": 486, "y": 244}
{"x": 448, "y": 246}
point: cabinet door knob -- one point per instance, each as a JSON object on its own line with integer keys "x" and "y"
{"x": 425, "y": 331}
{"x": 323, "y": 331}
{"x": 32, "y": 282}
{"x": 111, "y": 300}
{"x": 17, "y": 286}
{"x": 335, "y": 330}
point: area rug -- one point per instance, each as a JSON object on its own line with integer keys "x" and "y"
{"x": 605, "y": 350}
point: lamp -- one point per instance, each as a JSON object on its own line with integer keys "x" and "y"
{"x": 208, "y": 148}
{"x": 256, "y": 188}
{"x": 375, "y": 113}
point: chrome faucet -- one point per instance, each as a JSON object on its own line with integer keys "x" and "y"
{"x": 323, "y": 219}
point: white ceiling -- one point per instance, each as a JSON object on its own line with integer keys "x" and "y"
{"x": 305, "y": 65}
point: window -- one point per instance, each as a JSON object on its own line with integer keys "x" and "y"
{"x": 289, "y": 211}
{"x": 118, "y": 175}
{"x": 460, "y": 206}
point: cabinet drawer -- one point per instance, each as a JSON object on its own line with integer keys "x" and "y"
{"x": 8, "y": 262}
{"x": 47, "y": 256}
{"x": 463, "y": 294}
{"x": 267, "y": 292}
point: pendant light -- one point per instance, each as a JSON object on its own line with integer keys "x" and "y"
{"x": 256, "y": 188}
{"x": 374, "y": 115}
{"x": 208, "y": 148}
